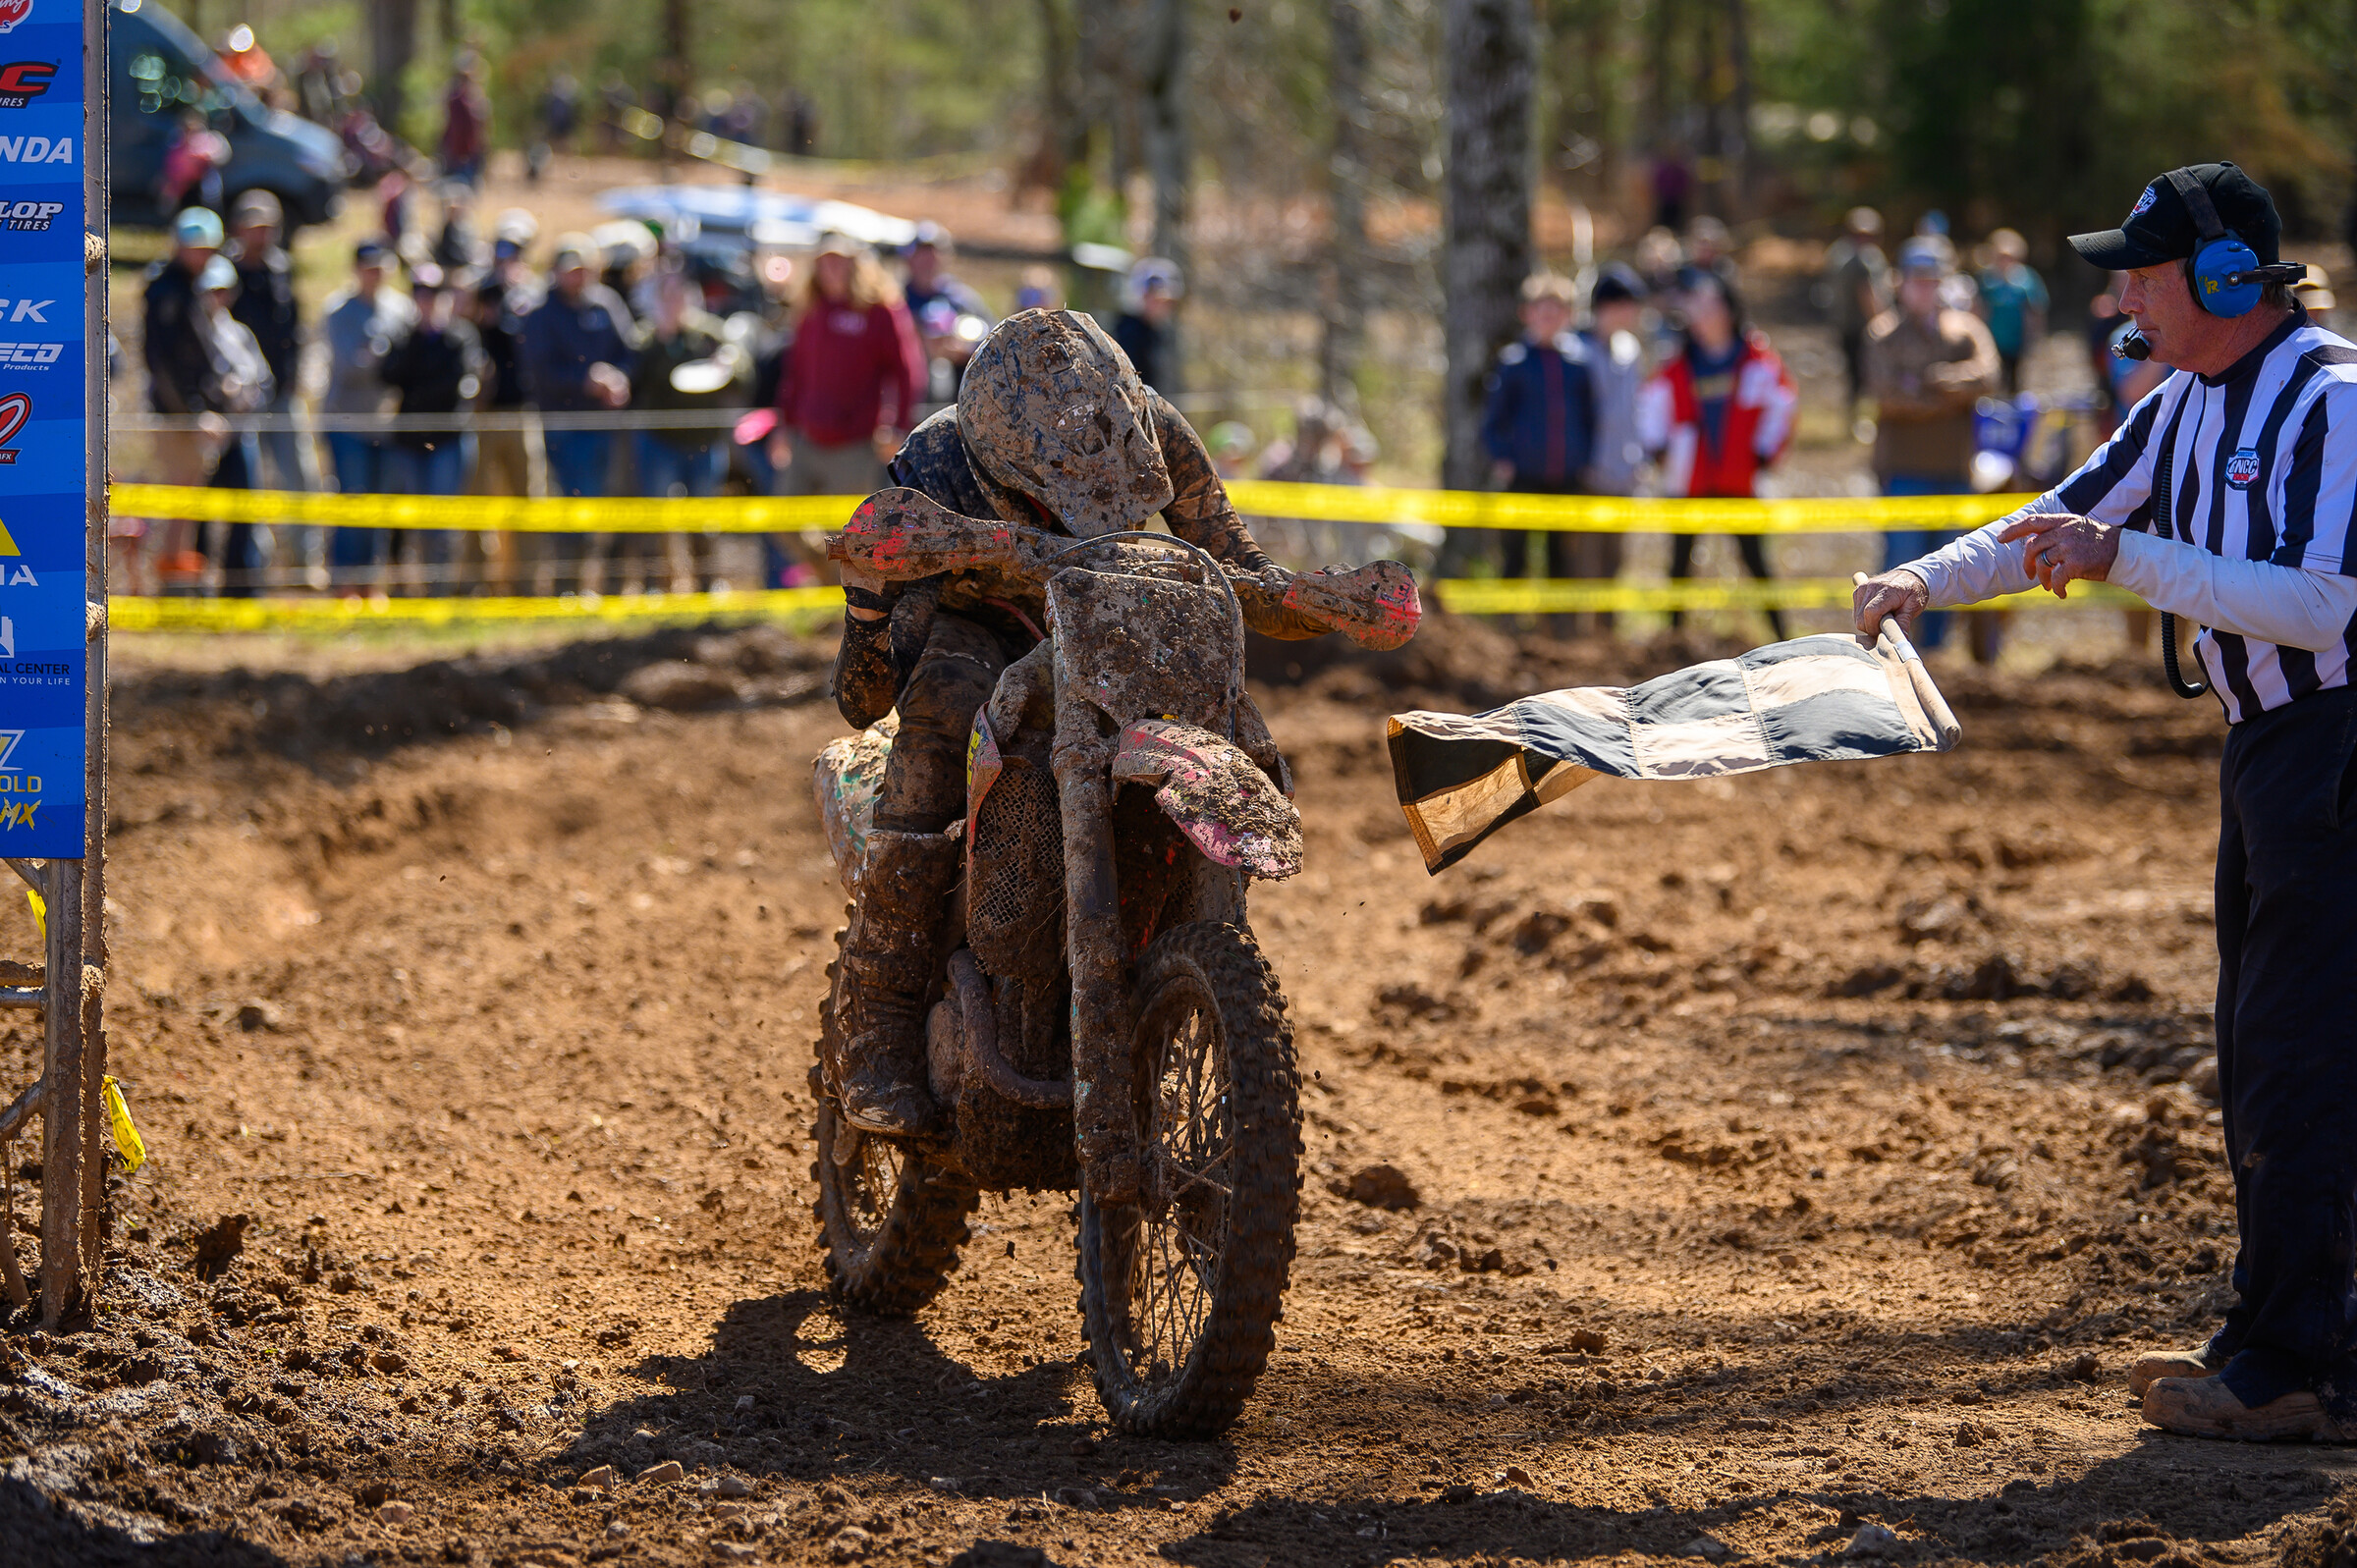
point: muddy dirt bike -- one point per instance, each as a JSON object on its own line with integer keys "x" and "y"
{"x": 1105, "y": 1021}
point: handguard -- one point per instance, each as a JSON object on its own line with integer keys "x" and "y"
{"x": 900, "y": 535}
{"x": 1219, "y": 797}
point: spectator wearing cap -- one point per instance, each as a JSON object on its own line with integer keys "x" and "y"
{"x": 682, "y": 369}
{"x": 1717, "y": 413}
{"x": 2226, "y": 500}
{"x": 180, "y": 375}
{"x": 1858, "y": 279}
{"x": 267, "y": 304}
{"x": 848, "y": 388}
{"x": 359, "y": 324}
{"x": 244, "y": 385}
{"x": 465, "y": 121}
{"x": 1147, "y": 327}
{"x": 436, "y": 367}
{"x": 496, "y": 305}
{"x": 579, "y": 349}
{"x": 1538, "y": 419}
{"x": 2012, "y": 301}
{"x": 929, "y": 278}
{"x": 1927, "y": 364}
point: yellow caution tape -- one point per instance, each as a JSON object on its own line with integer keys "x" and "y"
{"x": 40, "y": 914}
{"x": 1518, "y": 596}
{"x": 355, "y": 615}
{"x": 127, "y": 1136}
{"x": 1472, "y": 596}
{"x": 1254, "y": 497}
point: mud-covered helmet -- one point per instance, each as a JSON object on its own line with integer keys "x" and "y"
{"x": 1052, "y": 412}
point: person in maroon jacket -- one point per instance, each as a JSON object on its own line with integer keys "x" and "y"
{"x": 847, "y": 394}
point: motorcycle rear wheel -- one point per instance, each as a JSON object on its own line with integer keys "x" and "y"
{"x": 889, "y": 1221}
{"x": 1181, "y": 1291}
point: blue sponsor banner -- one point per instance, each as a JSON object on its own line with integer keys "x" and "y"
{"x": 44, "y": 478}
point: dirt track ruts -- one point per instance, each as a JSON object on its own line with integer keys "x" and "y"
{"x": 1788, "y": 1153}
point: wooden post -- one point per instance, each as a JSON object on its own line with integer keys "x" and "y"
{"x": 73, "y": 1112}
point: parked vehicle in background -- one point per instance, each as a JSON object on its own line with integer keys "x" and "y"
{"x": 160, "y": 70}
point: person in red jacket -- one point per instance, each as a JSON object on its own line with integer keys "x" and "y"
{"x": 1715, "y": 416}
{"x": 847, "y": 390}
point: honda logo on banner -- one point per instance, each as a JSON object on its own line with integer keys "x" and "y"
{"x": 13, "y": 12}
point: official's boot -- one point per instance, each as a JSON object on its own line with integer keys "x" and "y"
{"x": 887, "y": 969}
{"x": 2205, "y": 1407}
{"x": 2150, "y": 1370}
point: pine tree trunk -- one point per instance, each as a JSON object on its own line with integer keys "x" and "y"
{"x": 1162, "y": 68}
{"x": 393, "y": 44}
{"x": 1486, "y": 249}
{"x": 1345, "y": 298}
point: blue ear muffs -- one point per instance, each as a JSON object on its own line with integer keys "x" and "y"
{"x": 2224, "y": 267}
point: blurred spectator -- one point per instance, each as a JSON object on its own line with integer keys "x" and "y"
{"x": 182, "y": 375}
{"x": 503, "y": 458}
{"x": 191, "y": 167}
{"x": 361, "y": 323}
{"x": 578, "y": 357}
{"x": 316, "y": 89}
{"x": 1230, "y": 443}
{"x": 457, "y": 247}
{"x": 950, "y": 338}
{"x": 1858, "y": 279}
{"x": 1616, "y": 357}
{"x": 2012, "y": 301}
{"x": 847, "y": 392}
{"x": 243, "y": 382}
{"x": 1715, "y": 415}
{"x": 436, "y": 366}
{"x": 802, "y": 124}
{"x": 1039, "y": 290}
{"x": 561, "y": 111}
{"x": 1145, "y": 328}
{"x": 2105, "y": 321}
{"x": 929, "y": 278}
{"x": 1927, "y": 364}
{"x": 266, "y": 302}
{"x": 1539, "y": 421}
{"x": 684, "y": 363}
{"x": 1711, "y": 249}
{"x": 1672, "y": 189}
{"x": 465, "y": 121}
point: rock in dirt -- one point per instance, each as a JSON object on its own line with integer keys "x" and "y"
{"x": 733, "y": 1485}
{"x": 602, "y": 1478}
{"x": 1381, "y": 1188}
{"x": 218, "y": 1247}
{"x": 850, "y": 1543}
{"x": 2087, "y": 1367}
{"x": 1710, "y": 1548}
{"x": 1587, "y": 1341}
{"x": 1872, "y": 1541}
{"x": 741, "y": 1551}
{"x": 677, "y": 685}
{"x": 663, "y": 1474}
{"x": 1515, "y": 1475}
{"x": 374, "y": 1493}
{"x": 395, "y": 1513}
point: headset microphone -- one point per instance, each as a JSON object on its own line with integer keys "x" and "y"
{"x": 2131, "y": 345}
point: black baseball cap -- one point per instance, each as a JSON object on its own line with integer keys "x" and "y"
{"x": 2160, "y": 228}
{"x": 1616, "y": 280}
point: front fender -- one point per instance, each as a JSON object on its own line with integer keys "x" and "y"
{"x": 1228, "y": 808}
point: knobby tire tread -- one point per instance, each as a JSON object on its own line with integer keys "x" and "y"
{"x": 1234, "y": 1349}
{"x": 916, "y": 1251}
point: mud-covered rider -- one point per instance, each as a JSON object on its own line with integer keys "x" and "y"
{"x": 1053, "y": 429}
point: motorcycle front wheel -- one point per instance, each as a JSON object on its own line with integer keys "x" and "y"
{"x": 1180, "y": 1290}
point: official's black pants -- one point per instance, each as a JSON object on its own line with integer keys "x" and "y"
{"x": 2287, "y": 1049}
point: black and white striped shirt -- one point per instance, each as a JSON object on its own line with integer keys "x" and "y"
{"x": 2262, "y": 464}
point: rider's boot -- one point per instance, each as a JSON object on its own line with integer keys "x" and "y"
{"x": 887, "y": 969}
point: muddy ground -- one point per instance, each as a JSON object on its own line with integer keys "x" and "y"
{"x": 1788, "y": 1153}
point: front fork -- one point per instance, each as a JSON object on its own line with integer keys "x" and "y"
{"x": 1104, "y": 1092}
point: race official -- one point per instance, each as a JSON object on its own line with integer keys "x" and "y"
{"x": 2254, "y": 438}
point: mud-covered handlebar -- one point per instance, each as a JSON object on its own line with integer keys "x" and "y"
{"x": 900, "y": 535}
